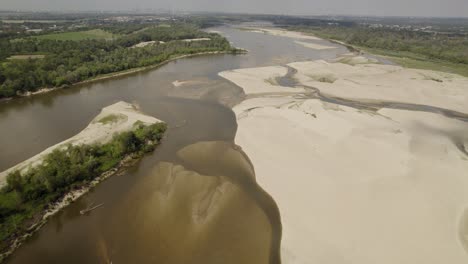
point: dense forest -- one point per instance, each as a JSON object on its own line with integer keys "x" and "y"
{"x": 426, "y": 45}
{"x": 67, "y": 62}
{"x": 28, "y": 194}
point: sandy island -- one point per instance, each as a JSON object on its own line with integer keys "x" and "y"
{"x": 113, "y": 119}
{"x": 314, "y": 45}
{"x": 281, "y": 33}
{"x": 357, "y": 186}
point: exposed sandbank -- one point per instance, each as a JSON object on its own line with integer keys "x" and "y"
{"x": 281, "y": 33}
{"x": 386, "y": 82}
{"x": 259, "y": 80}
{"x": 314, "y": 45}
{"x": 355, "y": 186}
{"x": 113, "y": 119}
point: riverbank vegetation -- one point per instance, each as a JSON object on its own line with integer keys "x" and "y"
{"x": 71, "y": 57}
{"x": 419, "y": 49}
{"x": 79, "y": 35}
{"x": 28, "y": 194}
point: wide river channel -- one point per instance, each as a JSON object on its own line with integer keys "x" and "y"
{"x": 194, "y": 200}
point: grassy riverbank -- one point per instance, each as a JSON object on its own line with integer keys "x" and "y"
{"x": 421, "y": 50}
{"x": 27, "y": 197}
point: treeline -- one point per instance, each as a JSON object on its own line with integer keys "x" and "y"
{"x": 447, "y": 47}
{"x": 26, "y": 195}
{"x": 68, "y": 62}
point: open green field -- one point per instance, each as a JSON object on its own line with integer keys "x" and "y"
{"x": 80, "y": 35}
{"x": 417, "y": 61}
{"x": 11, "y": 21}
{"x": 26, "y": 57}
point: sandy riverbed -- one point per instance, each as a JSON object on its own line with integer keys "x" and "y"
{"x": 281, "y": 33}
{"x": 314, "y": 45}
{"x": 386, "y": 82}
{"x": 259, "y": 80}
{"x": 113, "y": 119}
{"x": 355, "y": 186}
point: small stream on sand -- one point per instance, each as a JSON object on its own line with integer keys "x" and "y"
{"x": 288, "y": 80}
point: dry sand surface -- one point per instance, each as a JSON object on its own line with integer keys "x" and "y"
{"x": 386, "y": 82}
{"x": 281, "y": 33}
{"x": 115, "y": 118}
{"x": 259, "y": 80}
{"x": 314, "y": 45}
{"x": 355, "y": 186}
{"x": 178, "y": 83}
{"x": 147, "y": 43}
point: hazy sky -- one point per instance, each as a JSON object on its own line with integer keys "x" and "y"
{"x": 354, "y": 7}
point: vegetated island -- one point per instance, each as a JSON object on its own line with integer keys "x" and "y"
{"x": 31, "y": 64}
{"x": 39, "y": 187}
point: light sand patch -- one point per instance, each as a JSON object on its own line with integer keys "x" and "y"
{"x": 147, "y": 43}
{"x": 314, "y": 45}
{"x": 259, "y": 80}
{"x": 144, "y": 44}
{"x": 354, "y": 186}
{"x": 358, "y": 188}
{"x": 178, "y": 83}
{"x": 282, "y": 33}
{"x": 388, "y": 83}
{"x": 196, "y": 39}
{"x": 113, "y": 119}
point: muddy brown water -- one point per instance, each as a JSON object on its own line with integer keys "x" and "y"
{"x": 194, "y": 200}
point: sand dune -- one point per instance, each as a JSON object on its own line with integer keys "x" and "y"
{"x": 355, "y": 186}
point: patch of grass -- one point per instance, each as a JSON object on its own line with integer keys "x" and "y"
{"x": 327, "y": 78}
{"x": 417, "y": 61}
{"x": 111, "y": 119}
{"x": 461, "y": 69}
{"x": 80, "y": 35}
{"x": 272, "y": 81}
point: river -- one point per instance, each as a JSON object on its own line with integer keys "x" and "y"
{"x": 194, "y": 200}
